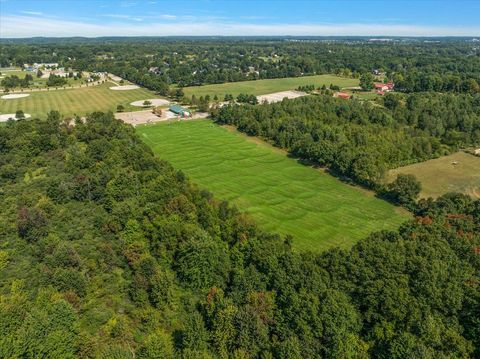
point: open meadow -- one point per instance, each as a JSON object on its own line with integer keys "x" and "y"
{"x": 262, "y": 87}
{"x": 77, "y": 101}
{"x": 458, "y": 172}
{"x": 282, "y": 195}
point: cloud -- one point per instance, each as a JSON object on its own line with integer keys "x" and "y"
{"x": 168, "y": 16}
{"x": 124, "y": 17}
{"x": 253, "y": 17}
{"x": 127, "y": 3}
{"x": 28, "y": 26}
{"x": 32, "y": 13}
{"x": 117, "y": 16}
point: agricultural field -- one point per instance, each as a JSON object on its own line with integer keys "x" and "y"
{"x": 459, "y": 172}
{"x": 282, "y": 195}
{"x": 262, "y": 87}
{"x": 77, "y": 101}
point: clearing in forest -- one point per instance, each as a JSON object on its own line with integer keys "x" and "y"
{"x": 281, "y": 194}
{"x": 458, "y": 172}
{"x": 262, "y": 87}
{"x": 79, "y": 101}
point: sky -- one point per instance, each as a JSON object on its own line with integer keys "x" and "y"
{"x": 92, "y": 18}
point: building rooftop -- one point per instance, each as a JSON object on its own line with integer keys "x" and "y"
{"x": 177, "y": 109}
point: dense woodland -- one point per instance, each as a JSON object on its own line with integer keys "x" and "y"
{"x": 108, "y": 252}
{"x": 362, "y": 140}
{"x": 413, "y": 64}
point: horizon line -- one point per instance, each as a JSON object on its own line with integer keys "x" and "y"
{"x": 13, "y": 26}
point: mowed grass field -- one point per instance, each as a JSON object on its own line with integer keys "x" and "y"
{"x": 37, "y": 82}
{"x": 262, "y": 87}
{"x": 441, "y": 175}
{"x": 282, "y": 195}
{"x": 75, "y": 101}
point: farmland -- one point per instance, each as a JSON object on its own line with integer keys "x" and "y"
{"x": 75, "y": 101}
{"x": 282, "y": 195}
{"x": 459, "y": 172}
{"x": 261, "y": 87}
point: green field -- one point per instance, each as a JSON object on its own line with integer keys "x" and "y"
{"x": 281, "y": 194}
{"x": 75, "y": 101}
{"x": 38, "y": 82}
{"x": 459, "y": 172}
{"x": 262, "y": 87}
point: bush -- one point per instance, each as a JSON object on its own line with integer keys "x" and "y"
{"x": 19, "y": 115}
{"x": 405, "y": 189}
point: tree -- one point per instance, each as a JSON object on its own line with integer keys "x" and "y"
{"x": 147, "y": 103}
{"x": 203, "y": 262}
{"x": 391, "y": 101}
{"x": 179, "y": 94}
{"x": 31, "y": 223}
{"x": 39, "y": 73}
{"x": 290, "y": 348}
{"x": 366, "y": 81}
{"x": 54, "y": 80}
{"x": 158, "y": 345}
{"x": 161, "y": 292}
{"x": 120, "y": 108}
{"x": 223, "y": 333}
{"x": 405, "y": 189}
{"x": 19, "y": 115}
{"x": 195, "y": 336}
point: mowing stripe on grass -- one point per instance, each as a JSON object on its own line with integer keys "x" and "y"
{"x": 282, "y": 195}
{"x": 75, "y": 101}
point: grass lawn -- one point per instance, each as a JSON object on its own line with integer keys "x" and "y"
{"x": 76, "y": 101}
{"x": 440, "y": 175}
{"x": 262, "y": 87}
{"x": 17, "y": 72}
{"x": 282, "y": 195}
{"x": 38, "y": 82}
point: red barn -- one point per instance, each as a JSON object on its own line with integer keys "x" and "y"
{"x": 343, "y": 95}
{"x": 381, "y": 87}
{"x": 384, "y": 87}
